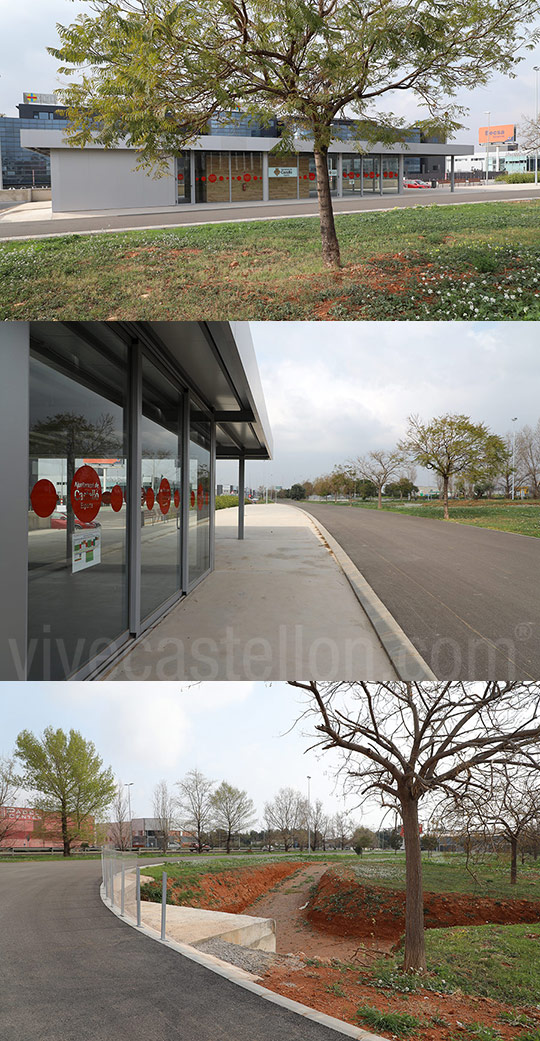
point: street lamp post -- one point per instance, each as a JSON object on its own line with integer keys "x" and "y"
{"x": 513, "y": 456}
{"x": 308, "y": 817}
{"x": 536, "y": 70}
{"x": 128, "y": 786}
{"x": 488, "y": 114}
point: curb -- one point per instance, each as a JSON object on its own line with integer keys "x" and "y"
{"x": 245, "y": 980}
{"x": 407, "y": 661}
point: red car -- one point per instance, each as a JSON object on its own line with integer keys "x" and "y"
{"x": 59, "y": 521}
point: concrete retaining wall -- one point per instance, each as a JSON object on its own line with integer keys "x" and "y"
{"x": 25, "y": 194}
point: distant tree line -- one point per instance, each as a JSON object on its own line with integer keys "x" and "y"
{"x": 466, "y": 459}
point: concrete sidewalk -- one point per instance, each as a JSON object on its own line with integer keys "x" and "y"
{"x": 277, "y": 606}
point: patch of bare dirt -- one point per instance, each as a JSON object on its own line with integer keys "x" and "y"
{"x": 343, "y": 906}
{"x": 341, "y": 992}
{"x": 231, "y": 891}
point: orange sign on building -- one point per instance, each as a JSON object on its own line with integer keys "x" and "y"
{"x": 497, "y": 135}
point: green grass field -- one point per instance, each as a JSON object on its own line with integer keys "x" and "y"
{"x": 521, "y": 519}
{"x": 496, "y": 961}
{"x": 445, "y": 263}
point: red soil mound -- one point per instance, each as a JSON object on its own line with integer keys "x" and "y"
{"x": 345, "y": 907}
{"x": 231, "y": 891}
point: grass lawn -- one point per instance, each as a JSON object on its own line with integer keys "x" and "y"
{"x": 478, "y": 261}
{"x": 495, "y": 961}
{"x": 523, "y": 520}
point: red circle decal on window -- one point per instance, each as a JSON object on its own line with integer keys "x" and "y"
{"x": 212, "y": 177}
{"x": 221, "y": 177}
{"x": 312, "y": 176}
{"x": 86, "y": 494}
{"x": 117, "y": 498}
{"x": 176, "y": 498}
{"x": 164, "y": 496}
{"x": 239, "y": 178}
{"x": 247, "y": 177}
{"x": 180, "y": 177}
{"x": 43, "y": 498}
{"x": 192, "y": 498}
{"x": 358, "y": 175}
{"x": 372, "y": 175}
{"x": 385, "y": 174}
{"x": 106, "y": 499}
{"x": 200, "y": 497}
{"x": 255, "y": 178}
{"x": 150, "y": 498}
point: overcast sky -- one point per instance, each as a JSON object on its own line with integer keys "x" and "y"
{"x": 238, "y": 732}
{"x": 335, "y": 391}
{"x": 29, "y": 26}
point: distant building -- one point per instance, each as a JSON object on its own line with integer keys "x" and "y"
{"x": 32, "y": 829}
{"x": 22, "y": 167}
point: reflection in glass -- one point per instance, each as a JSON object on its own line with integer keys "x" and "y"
{"x": 160, "y": 491}
{"x": 77, "y": 596}
{"x": 199, "y": 497}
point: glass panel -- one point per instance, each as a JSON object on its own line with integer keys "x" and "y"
{"x": 308, "y": 184}
{"x": 246, "y": 177}
{"x": 390, "y": 173}
{"x": 161, "y": 490}
{"x": 77, "y": 573}
{"x": 332, "y": 173}
{"x": 199, "y": 496}
{"x": 183, "y": 177}
{"x": 371, "y": 173}
{"x": 352, "y": 174}
{"x": 212, "y": 177}
{"x": 312, "y": 194}
{"x": 283, "y": 176}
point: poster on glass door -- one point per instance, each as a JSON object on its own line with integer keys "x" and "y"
{"x": 86, "y": 550}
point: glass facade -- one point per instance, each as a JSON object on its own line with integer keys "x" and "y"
{"x": 183, "y": 177}
{"x": 161, "y": 489}
{"x": 108, "y": 536}
{"x": 21, "y": 167}
{"x": 77, "y": 526}
{"x": 199, "y": 497}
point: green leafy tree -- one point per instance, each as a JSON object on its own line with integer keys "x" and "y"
{"x": 155, "y": 71}
{"x": 233, "y": 811}
{"x": 298, "y": 492}
{"x": 363, "y": 838}
{"x": 8, "y": 794}
{"x": 69, "y": 776}
{"x": 452, "y": 446}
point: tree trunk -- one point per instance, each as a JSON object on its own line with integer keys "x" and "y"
{"x": 513, "y": 862}
{"x": 445, "y": 498}
{"x": 379, "y": 497}
{"x": 228, "y": 849}
{"x": 65, "y": 836}
{"x": 415, "y": 948}
{"x": 330, "y": 244}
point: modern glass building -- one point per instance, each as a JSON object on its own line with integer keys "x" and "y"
{"x": 110, "y": 434}
{"x": 21, "y": 167}
{"x": 234, "y": 162}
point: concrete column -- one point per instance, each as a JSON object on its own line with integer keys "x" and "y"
{"x": 452, "y": 173}
{"x": 134, "y": 489}
{"x": 212, "y": 497}
{"x": 14, "y": 420}
{"x": 380, "y": 175}
{"x": 241, "y": 495}
{"x": 266, "y": 193}
{"x": 361, "y": 176}
{"x": 401, "y": 165}
{"x": 340, "y": 175}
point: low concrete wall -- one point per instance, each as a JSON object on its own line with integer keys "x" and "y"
{"x": 193, "y": 925}
{"x": 25, "y": 194}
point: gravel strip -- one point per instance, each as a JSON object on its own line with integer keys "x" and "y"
{"x": 256, "y": 962}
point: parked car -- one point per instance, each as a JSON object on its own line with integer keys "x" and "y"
{"x": 409, "y": 182}
{"x": 59, "y": 521}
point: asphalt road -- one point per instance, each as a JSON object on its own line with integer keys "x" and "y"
{"x": 466, "y": 597}
{"x": 71, "y": 971}
{"x": 184, "y": 216}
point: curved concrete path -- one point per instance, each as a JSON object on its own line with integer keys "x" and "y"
{"x": 71, "y": 971}
{"x": 466, "y": 597}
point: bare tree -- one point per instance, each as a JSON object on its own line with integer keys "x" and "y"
{"x": 318, "y": 823}
{"x": 528, "y": 454}
{"x": 8, "y": 793}
{"x": 233, "y": 810}
{"x": 501, "y": 803}
{"x": 342, "y": 828}
{"x": 195, "y": 804}
{"x": 120, "y": 829}
{"x": 378, "y": 467}
{"x": 406, "y": 741}
{"x": 285, "y": 815}
{"x": 164, "y": 806}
